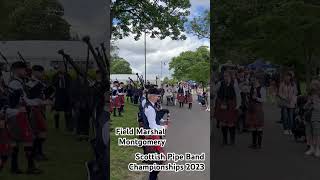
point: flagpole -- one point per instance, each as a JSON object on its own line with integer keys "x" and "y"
{"x": 145, "y": 57}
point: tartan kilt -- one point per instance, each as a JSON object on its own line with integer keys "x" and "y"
{"x": 255, "y": 116}
{"x": 121, "y": 99}
{"x": 19, "y": 128}
{"x": 111, "y": 105}
{"x": 5, "y": 141}
{"x": 180, "y": 97}
{"x": 189, "y": 99}
{"x": 38, "y": 120}
{"x": 226, "y": 117}
{"x": 116, "y": 102}
{"x": 153, "y": 149}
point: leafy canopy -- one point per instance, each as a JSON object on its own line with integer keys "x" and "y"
{"x": 33, "y": 19}
{"x": 120, "y": 66}
{"x": 200, "y": 26}
{"x": 159, "y": 18}
{"x": 192, "y": 65}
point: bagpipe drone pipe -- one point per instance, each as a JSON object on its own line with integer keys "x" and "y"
{"x": 98, "y": 169}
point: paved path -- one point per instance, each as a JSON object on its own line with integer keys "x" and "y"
{"x": 280, "y": 159}
{"x": 189, "y": 131}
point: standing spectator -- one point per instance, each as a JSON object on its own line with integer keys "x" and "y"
{"x": 313, "y": 124}
{"x": 288, "y": 95}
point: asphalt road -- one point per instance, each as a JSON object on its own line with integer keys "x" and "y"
{"x": 280, "y": 159}
{"x": 189, "y": 131}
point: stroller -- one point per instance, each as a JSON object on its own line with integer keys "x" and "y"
{"x": 301, "y": 116}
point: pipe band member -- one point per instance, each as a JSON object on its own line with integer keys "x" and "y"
{"x": 121, "y": 94}
{"x": 18, "y": 122}
{"x": 116, "y": 99}
{"x": 62, "y": 101}
{"x": 180, "y": 95}
{"x": 189, "y": 99}
{"x": 37, "y": 111}
{"x": 255, "y": 114}
{"x": 228, "y": 101}
{"x": 5, "y": 147}
{"x": 152, "y": 121}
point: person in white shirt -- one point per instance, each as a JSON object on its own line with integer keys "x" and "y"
{"x": 152, "y": 119}
{"x": 150, "y": 110}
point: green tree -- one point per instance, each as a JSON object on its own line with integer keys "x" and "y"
{"x": 165, "y": 80}
{"x": 191, "y": 65}
{"x": 200, "y": 26}
{"x": 289, "y": 35}
{"x": 281, "y": 31}
{"x": 120, "y": 66}
{"x": 34, "y": 19}
{"x": 159, "y": 18}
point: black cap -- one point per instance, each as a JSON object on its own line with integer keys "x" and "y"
{"x": 115, "y": 82}
{"x": 153, "y": 91}
{"x": 121, "y": 83}
{"x": 38, "y": 68}
{"x": 18, "y": 65}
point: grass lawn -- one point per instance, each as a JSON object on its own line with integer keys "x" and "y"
{"x": 67, "y": 158}
{"x": 122, "y": 156}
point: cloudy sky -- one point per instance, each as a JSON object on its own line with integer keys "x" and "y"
{"x": 160, "y": 50}
{"x": 88, "y": 18}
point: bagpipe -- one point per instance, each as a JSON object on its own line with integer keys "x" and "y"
{"x": 6, "y": 62}
{"x": 99, "y": 144}
{"x": 49, "y": 88}
{"x": 140, "y": 79}
{"x": 131, "y": 81}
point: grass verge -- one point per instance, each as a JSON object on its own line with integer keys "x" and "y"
{"x": 122, "y": 156}
{"x": 67, "y": 157}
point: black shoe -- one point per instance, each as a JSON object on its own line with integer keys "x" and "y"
{"x": 34, "y": 171}
{"x": 16, "y": 171}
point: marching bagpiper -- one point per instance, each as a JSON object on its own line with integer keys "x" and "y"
{"x": 38, "y": 123}
{"x": 151, "y": 120}
{"x": 18, "y": 122}
{"x": 189, "y": 99}
{"x": 121, "y": 94}
{"x": 226, "y": 107}
{"x": 130, "y": 91}
{"x": 115, "y": 98}
{"x": 180, "y": 95}
{"x": 62, "y": 103}
{"x": 255, "y": 115}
